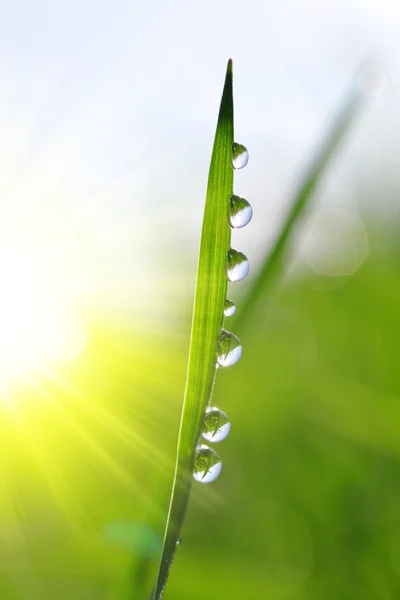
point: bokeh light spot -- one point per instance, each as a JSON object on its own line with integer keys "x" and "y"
{"x": 335, "y": 243}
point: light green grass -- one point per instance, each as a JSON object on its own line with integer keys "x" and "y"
{"x": 211, "y": 287}
{"x": 308, "y": 504}
{"x": 273, "y": 263}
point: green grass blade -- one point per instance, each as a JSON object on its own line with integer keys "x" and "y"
{"x": 273, "y": 263}
{"x": 211, "y": 287}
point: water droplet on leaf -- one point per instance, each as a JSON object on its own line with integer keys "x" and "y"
{"x": 240, "y": 213}
{"x": 229, "y": 349}
{"x": 216, "y": 426}
{"x": 230, "y": 308}
{"x": 207, "y": 464}
{"x": 238, "y": 265}
{"x": 240, "y": 156}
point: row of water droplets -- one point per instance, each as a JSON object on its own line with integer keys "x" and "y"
{"x": 216, "y": 425}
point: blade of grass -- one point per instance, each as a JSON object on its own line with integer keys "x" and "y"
{"x": 211, "y": 287}
{"x": 273, "y": 264}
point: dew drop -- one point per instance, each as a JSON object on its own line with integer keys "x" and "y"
{"x": 216, "y": 426}
{"x": 240, "y": 213}
{"x": 207, "y": 464}
{"x": 230, "y": 308}
{"x": 240, "y": 156}
{"x": 238, "y": 265}
{"x": 229, "y": 349}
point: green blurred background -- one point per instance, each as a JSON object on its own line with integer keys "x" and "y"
{"x": 307, "y": 503}
{"x": 107, "y": 116}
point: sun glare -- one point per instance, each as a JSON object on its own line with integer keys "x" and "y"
{"x": 35, "y": 327}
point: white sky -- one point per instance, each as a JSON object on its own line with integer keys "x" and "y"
{"x": 108, "y": 111}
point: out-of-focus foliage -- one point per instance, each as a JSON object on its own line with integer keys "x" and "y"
{"x": 307, "y": 504}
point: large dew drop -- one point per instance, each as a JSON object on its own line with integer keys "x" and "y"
{"x": 216, "y": 426}
{"x": 229, "y": 349}
{"x": 230, "y": 308}
{"x": 240, "y": 212}
{"x": 238, "y": 265}
{"x": 240, "y": 156}
{"x": 207, "y": 464}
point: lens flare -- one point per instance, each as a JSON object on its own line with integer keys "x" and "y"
{"x": 35, "y": 327}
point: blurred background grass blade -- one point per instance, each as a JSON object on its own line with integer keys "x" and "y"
{"x": 145, "y": 543}
{"x": 273, "y": 263}
{"x": 211, "y": 287}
